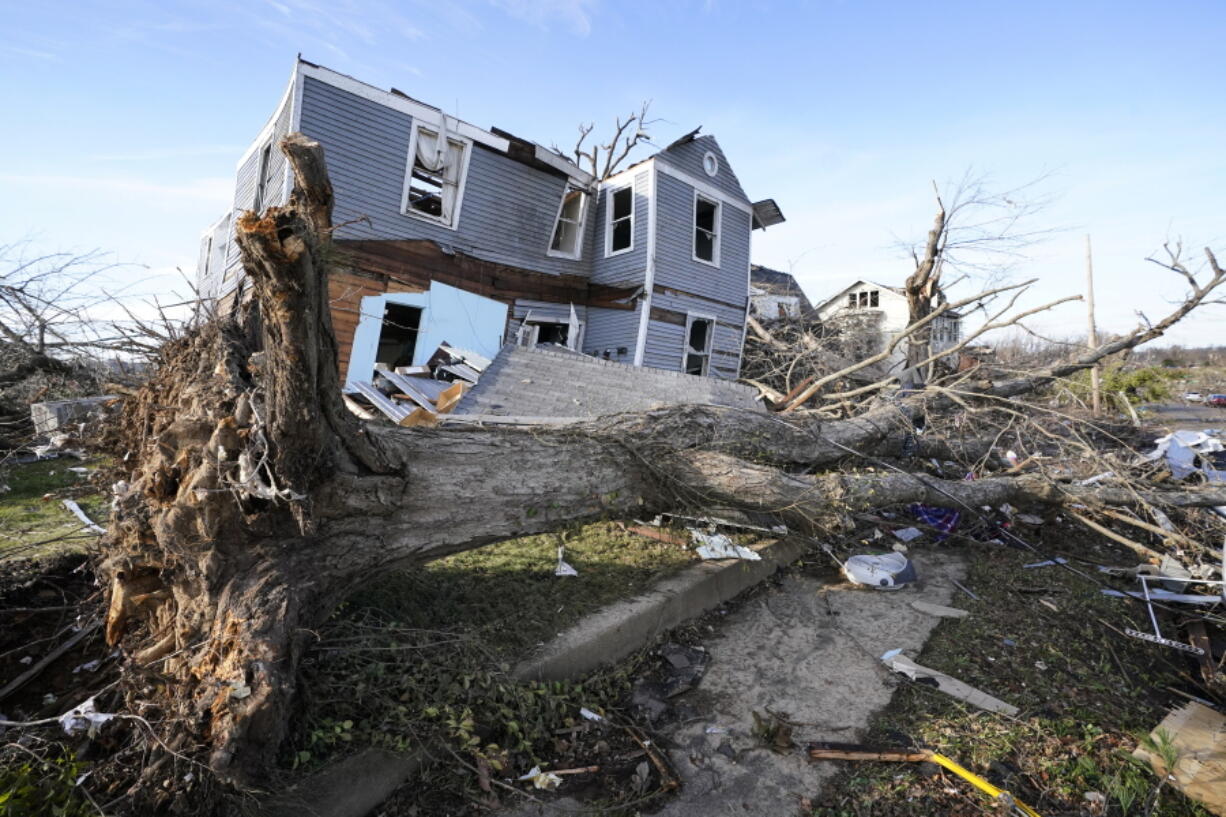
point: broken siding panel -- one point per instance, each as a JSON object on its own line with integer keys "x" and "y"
{"x": 678, "y": 302}
{"x": 244, "y": 197}
{"x": 507, "y": 211}
{"x": 688, "y": 157}
{"x": 610, "y": 330}
{"x": 629, "y": 267}
{"x": 675, "y": 264}
{"x": 664, "y": 345}
{"x": 541, "y": 310}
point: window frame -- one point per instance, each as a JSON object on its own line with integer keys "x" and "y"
{"x": 261, "y": 190}
{"x": 610, "y": 192}
{"x": 716, "y": 234}
{"x": 690, "y": 317}
{"x": 405, "y": 209}
{"x": 580, "y": 225}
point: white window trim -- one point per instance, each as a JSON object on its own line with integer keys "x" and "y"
{"x": 533, "y": 325}
{"x": 608, "y": 223}
{"x": 690, "y": 317}
{"x": 405, "y": 209}
{"x": 719, "y": 215}
{"x": 587, "y": 200}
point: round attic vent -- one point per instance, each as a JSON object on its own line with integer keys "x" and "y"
{"x": 710, "y": 163}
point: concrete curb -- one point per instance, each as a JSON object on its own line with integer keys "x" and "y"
{"x": 352, "y": 787}
{"x": 622, "y": 628}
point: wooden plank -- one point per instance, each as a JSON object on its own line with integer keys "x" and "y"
{"x": 1198, "y": 737}
{"x": 419, "y": 417}
{"x": 357, "y": 408}
{"x": 448, "y": 399}
{"x": 415, "y": 263}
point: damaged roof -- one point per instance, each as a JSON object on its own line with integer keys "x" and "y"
{"x": 540, "y": 382}
{"x": 778, "y": 282}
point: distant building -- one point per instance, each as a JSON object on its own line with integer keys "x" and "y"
{"x": 890, "y": 303}
{"x": 774, "y": 294}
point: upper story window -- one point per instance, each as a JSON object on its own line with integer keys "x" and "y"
{"x": 621, "y": 221}
{"x": 435, "y": 178}
{"x": 264, "y": 180}
{"x": 869, "y": 298}
{"x": 568, "y": 232}
{"x": 710, "y": 163}
{"x": 706, "y": 230}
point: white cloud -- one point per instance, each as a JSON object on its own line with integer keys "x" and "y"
{"x": 576, "y": 13}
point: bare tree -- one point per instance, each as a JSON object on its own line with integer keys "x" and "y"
{"x": 603, "y": 160}
{"x": 978, "y": 235}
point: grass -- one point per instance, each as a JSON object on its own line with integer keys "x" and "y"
{"x": 33, "y": 519}
{"x": 508, "y": 593}
{"x": 1087, "y": 695}
{"x": 423, "y": 657}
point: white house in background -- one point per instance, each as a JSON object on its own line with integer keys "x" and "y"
{"x": 891, "y": 303}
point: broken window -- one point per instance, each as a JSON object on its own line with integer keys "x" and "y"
{"x": 398, "y": 336}
{"x": 621, "y": 220}
{"x": 698, "y": 345}
{"x": 851, "y": 301}
{"x": 264, "y": 180}
{"x": 706, "y": 230}
{"x": 568, "y": 232}
{"x": 435, "y": 175}
{"x": 872, "y": 298}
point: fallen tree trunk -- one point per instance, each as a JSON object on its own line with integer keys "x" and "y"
{"x": 256, "y": 502}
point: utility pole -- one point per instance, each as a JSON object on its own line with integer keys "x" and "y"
{"x": 1095, "y": 387}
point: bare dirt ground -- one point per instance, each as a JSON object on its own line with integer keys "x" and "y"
{"x": 805, "y": 657}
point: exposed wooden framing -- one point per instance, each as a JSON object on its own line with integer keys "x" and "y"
{"x": 418, "y": 262}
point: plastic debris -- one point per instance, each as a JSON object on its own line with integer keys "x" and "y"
{"x": 908, "y": 534}
{"x": 939, "y": 610}
{"x": 1059, "y": 560}
{"x": 943, "y": 519}
{"x": 547, "y": 781}
{"x": 716, "y": 730}
{"x": 1183, "y": 447}
{"x": 963, "y": 588}
{"x": 88, "y": 666}
{"x": 719, "y": 546}
{"x": 563, "y": 568}
{"x": 72, "y": 506}
{"x": 1097, "y": 478}
{"x": 1029, "y": 519}
{"x": 589, "y": 714}
{"x": 895, "y": 660}
{"x": 84, "y": 718}
{"x": 887, "y": 571}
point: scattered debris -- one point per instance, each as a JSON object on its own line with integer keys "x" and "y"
{"x": 84, "y": 718}
{"x": 685, "y": 668}
{"x": 939, "y": 610}
{"x": 960, "y": 586}
{"x": 720, "y": 546}
{"x": 844, "y": 751}
{"x": 908, "y": 534}
{"x": 564, "y": 568}
{"x": 1196, "y": 736}
{"x": 590, "y": 715}
{"x": 72, "y": 506}
{"x": 546, "y": 781}
{"x": 944, "y": 520}
{"x": 887, "y": 571}
{"x": 895, "y": 660}
{"x": 1059, "y": 560}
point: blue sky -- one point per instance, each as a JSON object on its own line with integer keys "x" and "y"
{"x": 124, "y": 120}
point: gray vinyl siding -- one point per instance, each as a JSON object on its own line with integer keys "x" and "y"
{"x": 627, "y": 268}
{"x": 688, "y": 157}
{"x": 210, "y": 270}
{"x": 248, "y": 177}
{"x": 507, "y": 212}
{"x": 666, "y": 346}
{"x": 675, "y": 264}
{"x": 612, "y": 329}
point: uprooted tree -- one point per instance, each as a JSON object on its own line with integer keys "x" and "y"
{"x": 256, "y": 502}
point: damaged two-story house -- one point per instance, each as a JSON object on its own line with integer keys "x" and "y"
{"x": 446, "y": 232}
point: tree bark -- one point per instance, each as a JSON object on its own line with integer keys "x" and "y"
{"x": 256, "y": 502}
